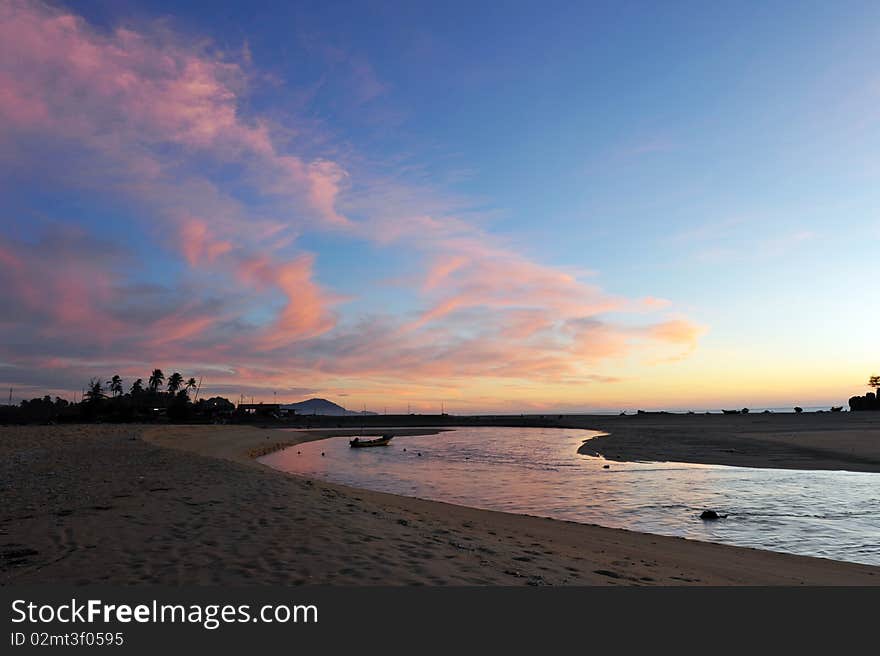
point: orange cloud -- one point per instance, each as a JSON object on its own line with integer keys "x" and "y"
{"x": 676, "y": 331}
{"x": 306, "y": 311}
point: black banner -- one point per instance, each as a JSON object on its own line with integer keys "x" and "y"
{"x": 145, "y": 619}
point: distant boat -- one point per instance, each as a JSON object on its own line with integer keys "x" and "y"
{"x": 358, "y": 443}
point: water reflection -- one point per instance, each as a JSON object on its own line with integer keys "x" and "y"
{"x": 538, "y": 471}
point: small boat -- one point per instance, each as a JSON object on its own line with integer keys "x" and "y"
{"x": 358, "y": 443}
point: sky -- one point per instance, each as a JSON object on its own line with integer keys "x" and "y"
{"x": 500, "y": 207}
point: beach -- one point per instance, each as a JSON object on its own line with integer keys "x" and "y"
{"x": 828, "y": 441}
{"x": 190, "y": 505}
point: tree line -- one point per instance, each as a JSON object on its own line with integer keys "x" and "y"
{"x": 108, "y": 400}
{"x": 175, "y": 386}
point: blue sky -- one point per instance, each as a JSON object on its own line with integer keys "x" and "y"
{"x": 722, "y": 158}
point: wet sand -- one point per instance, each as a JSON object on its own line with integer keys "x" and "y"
{"x": 828, "y": 441}
{"x": 189, "y": 504}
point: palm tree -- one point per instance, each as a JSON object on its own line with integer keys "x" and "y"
{"x": 874, "y": 381}
{"x": 175, "y": 382}
{"x": 191, "y": 384}
{"x": 156, "y": 379}
{"x": 137, "y": 387}
{"x": 115, "y": 385}
{"x": 96, "y": 391}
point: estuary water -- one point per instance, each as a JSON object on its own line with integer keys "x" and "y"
{"x": 537, "y": 471}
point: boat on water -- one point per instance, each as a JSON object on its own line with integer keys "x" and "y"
{"x": 358, "y": 443}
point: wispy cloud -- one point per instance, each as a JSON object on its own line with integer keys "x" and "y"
{"x": 155, "y": 118}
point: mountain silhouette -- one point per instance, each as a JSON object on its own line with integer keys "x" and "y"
{"x": 321, "y": 407}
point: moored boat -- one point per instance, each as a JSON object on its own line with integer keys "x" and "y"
{"x": 358, "y": 443}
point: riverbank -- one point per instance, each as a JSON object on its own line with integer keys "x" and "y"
{"x": 188, "y": 505}
{"x": 824, "y": 441}
{"x": 810, "y": 440}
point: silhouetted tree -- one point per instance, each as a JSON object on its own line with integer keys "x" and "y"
{"x": 191, "y": 384}
{"x": 175, "y": 382}
{"x": 115, "y": 385}
{"x": 95, "y": 392}
{"x": 156, "y": 380}
{"x": 180, "y": 406}
{"x": 871, "y": 400}
{"x": 798, "y": 409}
{"x": 137, "y": 387}
{"x": 36, "y": 410}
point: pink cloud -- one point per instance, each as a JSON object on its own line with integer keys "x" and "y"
{"x": 128, "y": 94}
{"x": 127, "y": 90}
{"x": 186, "y": 323}
{"x": 325, "y": 179}
{"x": 59, "y": 296}
{"x": 475, "y": 274}
{"x": 197, "y": 243}
{"x": 442, "y": 269}
{"x": 305, "y": 313}
{"x": 143, "y": 109}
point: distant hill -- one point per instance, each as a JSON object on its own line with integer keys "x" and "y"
{"x": 321, "y": 407}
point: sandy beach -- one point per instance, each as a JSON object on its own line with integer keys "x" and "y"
{"x": 189, "y": 504}
{"x": 830, "y": 441}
